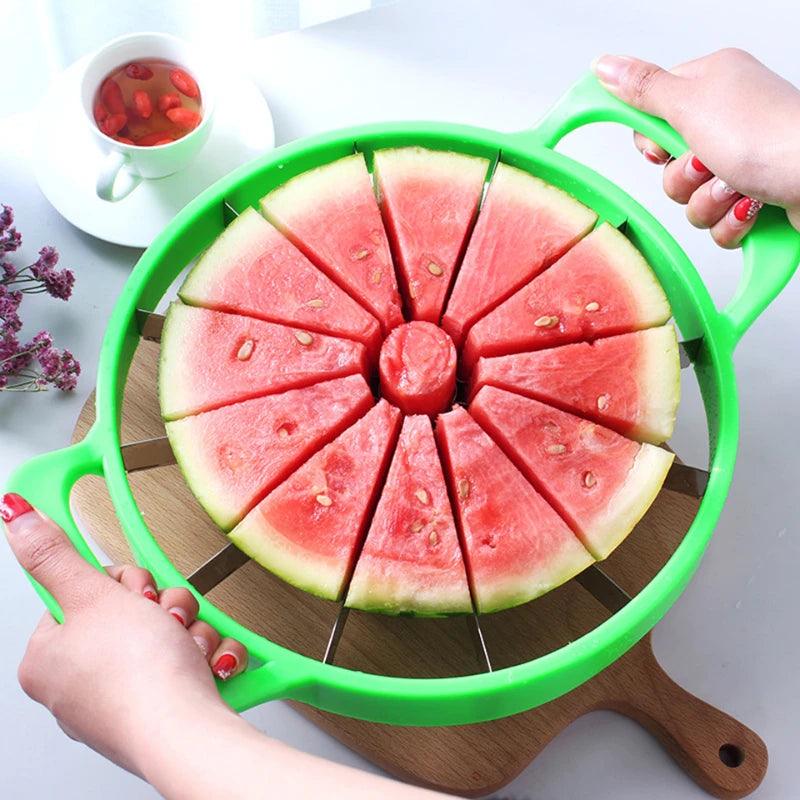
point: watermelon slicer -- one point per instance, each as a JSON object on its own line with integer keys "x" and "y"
{"x": 770, "y": 254}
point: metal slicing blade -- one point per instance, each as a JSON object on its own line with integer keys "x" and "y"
{"x": 217, "y": 568}
{"x": 147, "y": 454}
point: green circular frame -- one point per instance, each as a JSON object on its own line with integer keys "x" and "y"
{"x": 770, "y": 255}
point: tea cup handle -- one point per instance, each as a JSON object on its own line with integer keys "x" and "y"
{"x": 112, "y": 172}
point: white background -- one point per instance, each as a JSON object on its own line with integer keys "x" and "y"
{"x": 732, "y": 636}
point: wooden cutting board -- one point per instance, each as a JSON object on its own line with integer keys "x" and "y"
{"x": 723, "y": 756}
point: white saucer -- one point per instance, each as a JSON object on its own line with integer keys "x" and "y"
{"x": 66, "y": 161}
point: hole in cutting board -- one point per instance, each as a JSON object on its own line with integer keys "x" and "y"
{"x": 731, "y": 755}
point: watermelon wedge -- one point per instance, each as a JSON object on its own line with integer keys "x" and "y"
{"x": 429, "y": 199}
{"x": 630, "y": 383}
{"x": 602, "y": 287}
{"x": 253, "y": 269}
{"x": 411, "y": 561}
{"x": 332, "y": 215}
{"x": 210, "y": 359}
{"x": 232, "y": 456}
{"x": 524, "y": 225}
{"x": 515, "y": 545}
{"x": 309, "y": 528}
{"x": 599, "y": 481}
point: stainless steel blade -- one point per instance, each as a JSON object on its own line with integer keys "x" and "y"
{"x": 691, "y": 481}
{"x": 147, "y": 454}
{"x": 336, "y": 635}
{"x": 476, "y": 634}
{"x": 150, "y": 324}
{"x": 603, "y": 589}
{"x": 217, "y": 568}
{"x": 688, "y": 351}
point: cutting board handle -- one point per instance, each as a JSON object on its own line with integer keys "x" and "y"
{"x": 722, "y": 755}
{"x": 770, "y": 252}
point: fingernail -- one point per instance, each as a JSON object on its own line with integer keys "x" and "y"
{"x": 150, "y": 593}
{"x": 178, "y": 614}
{"x": 610, "y": 69}
{"x": 745, "y": 210}
{"x": 13, "y": 506}
{"x": 202, "y": 644}
{"x": 721, "y": 192}
{"x": 225, "y": 666}
{"x": 654, "y": 158}
{"x": 695, "y": 168}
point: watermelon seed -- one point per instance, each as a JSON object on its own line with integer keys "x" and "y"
{"x": 377, "y": 276}
{"x": 303, "y": 337}
{"x": 324, "y": 500}
{"x": 360, "y": 254}
{"x": 463, "y": 487}
{"x": 318, "y": 303}
{"x": 546, "y": 322}
{"x": 282, "y": 433}
{"x": 592, "y": 306}
{"x": 435, "y": 269}
{"x": 556, "y": 449}
{"x": 422, "y": 496}
{"x": 246, "y": 350}
{"x": 417, "y": 527}
{"x": 433, "y": 538}
{"x": 375, "y": 236}
{"x": 602, "y": 401}
{"x": 589, "y": 479}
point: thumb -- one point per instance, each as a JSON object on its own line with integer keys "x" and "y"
{"x": 45, "y": 551}
{"x": 639, "y": 84}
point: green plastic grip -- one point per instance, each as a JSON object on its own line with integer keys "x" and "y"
{"x": 770, "y": 251}
{"x": 46, "y": 482}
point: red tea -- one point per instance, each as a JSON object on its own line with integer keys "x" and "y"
{"x": 148, "y": 102}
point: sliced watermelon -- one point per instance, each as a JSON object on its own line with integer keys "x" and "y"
{"x": 232, "y": 456}
{"x": 599, "y": 481}
{"x": 411, "y": 562}
{"x": 524, "y": 226}
{"x": 602, "y": 287}
{"x": 210, "y": 359}
{"x": 253, "y": 269}
{"x": 332, "y": 215}
{"x": 309, "y": 528}
{"x": 630, "y": 383}
{"x": 417, "y": 368}
{"x": 429, "y": 199}
{"x": 515, "y": 545}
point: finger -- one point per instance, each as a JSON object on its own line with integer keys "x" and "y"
{"x": 137, "y": 579}
{"x": 733, "y": 227}
{"x": 653, "y": 152}
{"x": 684, "y": 176}
{"x": 709, "y": 204}
{"x": 45, "y": 551}
{"x": 640, "y": 84}
{"x": 229, "y": 659}
{"x": 181, "y": 603}
{"x": 207, "y": 638}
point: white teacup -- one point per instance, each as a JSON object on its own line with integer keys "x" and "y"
{"x": 125, "y": 165}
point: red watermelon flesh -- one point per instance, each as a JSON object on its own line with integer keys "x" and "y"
{"x": 332, "y": 215}
{"x": 254, "y": 269}
{"x": 411, "y": 561}
{"x": 309, "y": 528}
{"x": 524, "y": 225}
{"x": 210, "y": 359}
{"x": 429, "y": 199}
{"x": 602, "y": 287}
{"x": 417, "y": 368}
{"x": 599, "y": 481}
{"x": 630, "y": 383}
{"x": 232, "y": 456}
{"x": 515, "y": 545}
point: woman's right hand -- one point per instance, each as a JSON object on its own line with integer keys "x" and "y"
{"x": 740, "y": 121}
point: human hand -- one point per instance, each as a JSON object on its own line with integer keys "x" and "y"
{"x": 125, "y": 655}
{"x": 739, "y": 120}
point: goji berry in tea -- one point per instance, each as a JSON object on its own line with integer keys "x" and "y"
{"x": 184, "y": 83}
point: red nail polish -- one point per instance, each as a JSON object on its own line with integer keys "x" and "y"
{"x": 746, "y": 209}
{"x": 225, "y": 666}
{"x": 150, "y": 595}
{"x": 178, "y": 617}
{"x": 13, "y": 506}
{"x": 699, "y": 165}
{"x": 653, "y": 158}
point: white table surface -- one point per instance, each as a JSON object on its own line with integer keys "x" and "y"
{"x": 731, "y": 638}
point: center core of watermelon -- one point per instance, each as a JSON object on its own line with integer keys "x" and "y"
{"x": 417, "y": 368}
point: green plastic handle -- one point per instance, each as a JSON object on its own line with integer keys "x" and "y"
{"x": 46, "y": 482}
{"x": 770, "y": 252}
